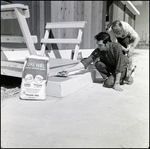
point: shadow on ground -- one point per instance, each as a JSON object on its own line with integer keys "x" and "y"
{"x": 10, "y": 82}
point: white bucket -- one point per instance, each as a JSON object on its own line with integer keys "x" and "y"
{"x": 34, "y": 78}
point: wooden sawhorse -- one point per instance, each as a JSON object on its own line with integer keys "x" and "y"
{"x": 19, "y": 12}
{"x": 62, "y": 25}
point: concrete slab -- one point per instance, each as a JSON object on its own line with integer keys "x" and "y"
{"x": 63, "y": 86}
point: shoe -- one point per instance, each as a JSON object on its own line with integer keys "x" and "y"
{"x": 132, "y": 75}
{"x": 122, "y": 82}
{"x": 129, "y": 75}
{"x": 130, "y": 71}
{"x": 109, "y": 82}
{"x": 129, "y": 80}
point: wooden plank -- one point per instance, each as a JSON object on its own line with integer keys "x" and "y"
{"x": 11, "y": 72}
{"x": 87, "y": 29}
{"x": 54, "y": 63}
{"x": 79, "y": 10}
{"x": 25, "y": 31}
{"x": 59, "y": 40}
{"x": 78, "y": 15}
{"x": 33, "y": 20}
{"x": 73, "y": 24}
{"x": 13, "y": 6}
{"x": 67, "y": 14}
{"x": 16, "y": 39}
{"x": 12, "y": 64}
{"x": 77, "y": 46}
{"x": 41, "y": 19}
{"x": 14, "y": 55}
{"x": 8, "y": 15}
{"x": 94, "y": 22}
{"x": 80, "y": 34}
{"x": 75, "y": 53}
{"x": 12, "y": 15}
{"x": 55, "y": 8}
{"x": 118, "y": 13}
{"x": 43, "y": 47}
{"x": 111, "y": 12}
{"x": 13, "y": 68}
{"x": 13, "y": 49}
{"x": 102, "y": 22}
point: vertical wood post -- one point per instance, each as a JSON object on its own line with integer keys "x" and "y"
{"x": 25, "y": 31}
{"x": 42, "y": 18}
{"x": 40, "y": 21}
{"x": 111, "y": 10}
{"x": 87, "y": 18}
{"x": 124, "y": 17}
{"x": 104, "y": 8}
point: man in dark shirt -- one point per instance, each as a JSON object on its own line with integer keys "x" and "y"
{"x": 108, "y": 59}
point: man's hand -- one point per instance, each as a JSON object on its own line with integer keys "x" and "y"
{"x": 130, "y": 51}
{"x": 117, "y": 87}
{"x": 124, "y": 49}
{"x": 117, "y": 84}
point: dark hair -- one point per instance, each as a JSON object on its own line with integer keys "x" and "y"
{"x": 115, "y": 23}
{"x": 103, "y": 36}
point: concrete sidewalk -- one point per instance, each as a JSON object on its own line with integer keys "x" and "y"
{"x": 94, "y": 117}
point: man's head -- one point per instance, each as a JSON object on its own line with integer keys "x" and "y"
{"x": 101, "y": 39}
{"x": 117, "y": 27}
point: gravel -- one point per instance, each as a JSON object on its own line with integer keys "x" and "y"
{"x": 6, "y": 93}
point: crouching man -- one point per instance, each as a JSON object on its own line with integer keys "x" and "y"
{"x": 109, "y": 60}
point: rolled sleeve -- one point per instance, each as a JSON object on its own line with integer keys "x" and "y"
{"x": 92, "y": 58}
{"x": 87, "y": 61}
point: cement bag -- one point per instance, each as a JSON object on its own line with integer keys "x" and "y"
{"x": 34, "y": 78}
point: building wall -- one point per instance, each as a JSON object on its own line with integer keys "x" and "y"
{"x": 118, "y": 11}
{"x": 93, "y": 12}
{"x": 11, "y": 26}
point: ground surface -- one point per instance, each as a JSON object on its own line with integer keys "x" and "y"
{"x": 92, "y": 117}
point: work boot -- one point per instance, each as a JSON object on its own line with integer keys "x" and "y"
{"x": 129, "y": 75}
{"x": 109, "y": 82}
{"x": 128, "y": 80}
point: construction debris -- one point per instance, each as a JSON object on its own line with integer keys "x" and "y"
{"x": 9, "y": 92}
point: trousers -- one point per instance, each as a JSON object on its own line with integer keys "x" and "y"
{"x": 125, "y": 41}
{"x": 109, "y": 71}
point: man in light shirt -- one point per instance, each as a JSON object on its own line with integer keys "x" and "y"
{"x": 123, "y": 33}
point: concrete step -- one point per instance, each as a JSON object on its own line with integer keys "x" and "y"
{"x": 63, "y": 86}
